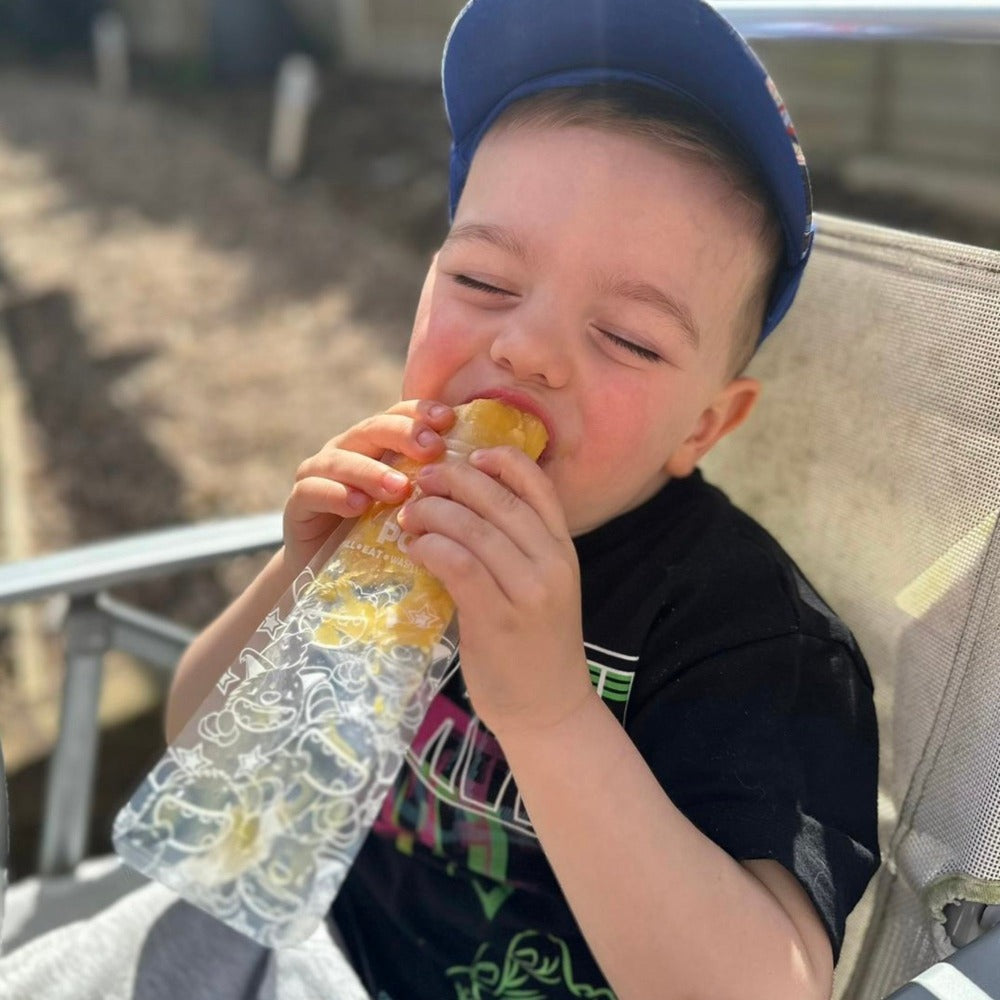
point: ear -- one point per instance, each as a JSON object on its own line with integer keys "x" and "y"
{"x": 730, "y": 407}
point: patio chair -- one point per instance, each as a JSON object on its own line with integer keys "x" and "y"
{"x": 875, "y": 457}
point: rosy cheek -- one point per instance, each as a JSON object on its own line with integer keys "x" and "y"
{"x": 436, "y": 352}
{"x": 620, "y": 420}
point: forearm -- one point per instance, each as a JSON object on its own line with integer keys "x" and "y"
{"x": 220, "y": 643}
{"x": 671, "y": 915}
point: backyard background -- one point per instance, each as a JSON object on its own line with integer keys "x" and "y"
{"x": 178, "y": 330}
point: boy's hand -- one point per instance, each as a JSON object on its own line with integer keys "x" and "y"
{"x": 493, "y": 532}
{"x": 349, "y": 473}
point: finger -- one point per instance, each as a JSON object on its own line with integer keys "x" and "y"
{"x": 348, "y": 469}
{"x": 524, "y": 478}
{"x": 492, "y": 500}
{"x": 411, "y": 428}
{"x": 464, "y": 575}
{"x": 499, "y": 556}
{"x": 317, "y": 496}
{"x": 357, "y": 457}
{"x": 435, "y": 413}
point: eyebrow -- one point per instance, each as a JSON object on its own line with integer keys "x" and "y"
{"x": 617, "y": 286}
{"x": 497, "y": 236}
{"x": 647, "y": 294}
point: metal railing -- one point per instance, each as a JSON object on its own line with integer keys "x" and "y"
{"x": 914, "y": 20}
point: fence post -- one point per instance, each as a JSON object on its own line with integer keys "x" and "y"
{"x": 295, "y": 94}
{"x": 110, "y": 38}
{"x": 354, "y": 23}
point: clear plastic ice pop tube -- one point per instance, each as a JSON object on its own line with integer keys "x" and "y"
{"x": 256, "y": 811}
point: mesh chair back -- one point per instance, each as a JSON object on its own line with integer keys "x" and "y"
{"x": 875, "y": 457}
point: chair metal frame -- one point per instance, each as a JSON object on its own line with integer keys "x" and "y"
{"x": 95, "y": 623}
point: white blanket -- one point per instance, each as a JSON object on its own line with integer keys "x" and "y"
{"x": 151, "y": 945}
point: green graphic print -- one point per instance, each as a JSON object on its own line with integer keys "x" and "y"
{"x": 534, "y": 963}
{"x": 613, "y": 685}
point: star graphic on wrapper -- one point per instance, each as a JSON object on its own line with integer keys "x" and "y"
{"x": 273, "y": 623}
{"x": 227, "y": 680}
{"x": 250, "y": 762}
{"x": 423, "y": 617}
{"x": 190, "y": 760}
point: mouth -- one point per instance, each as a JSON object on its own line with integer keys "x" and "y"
{"x": 522, "y": 401}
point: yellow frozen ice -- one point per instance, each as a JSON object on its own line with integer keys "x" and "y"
{"x": 412, "y": 608}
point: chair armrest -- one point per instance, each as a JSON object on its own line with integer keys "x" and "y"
{"x": 92, "y": 568}
{"x": 972, "y": 973}
{"x": 96, "y": 623}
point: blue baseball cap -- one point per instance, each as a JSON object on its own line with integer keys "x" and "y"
{"x": 499, "y": 51}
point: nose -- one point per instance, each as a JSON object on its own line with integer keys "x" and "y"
{"x": 532, "y": 353}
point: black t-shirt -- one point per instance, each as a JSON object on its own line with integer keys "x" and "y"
{"x": 745, "y": 694}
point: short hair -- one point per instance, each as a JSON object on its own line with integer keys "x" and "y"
{"x": 688, "y": 131}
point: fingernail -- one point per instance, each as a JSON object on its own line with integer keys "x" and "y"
{"x": 477, "y": 456}
{"x": 356, "y": 501}
{"x": 394, "y": 480}
{"x": 426, "y": 438}
{"x": 437, "y": 411}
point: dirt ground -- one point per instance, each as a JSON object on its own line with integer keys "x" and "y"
{"x": 186, "y": 330}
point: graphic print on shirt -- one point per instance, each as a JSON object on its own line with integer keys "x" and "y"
{"x": 457, "y": 796}
{"x": 612, "y": 675}
{"x": 533, "y": 962}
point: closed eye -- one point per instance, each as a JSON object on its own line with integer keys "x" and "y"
{"x": 479, "y": 286}
{"x": 636, "y": 349}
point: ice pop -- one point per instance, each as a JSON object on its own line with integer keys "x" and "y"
{"x": 258, "y": 808}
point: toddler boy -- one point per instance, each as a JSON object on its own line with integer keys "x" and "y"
{"x": 654, "y": 774}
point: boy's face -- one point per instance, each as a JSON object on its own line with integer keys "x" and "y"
{"x": 594, "y": 279}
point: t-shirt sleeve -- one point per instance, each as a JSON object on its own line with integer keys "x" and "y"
{"x": 771, "y": 750}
